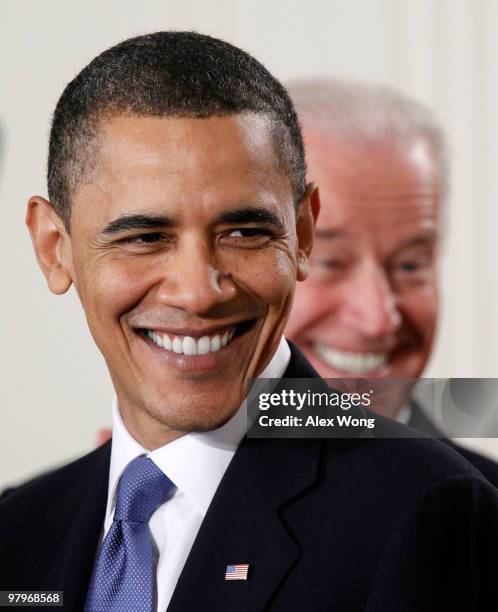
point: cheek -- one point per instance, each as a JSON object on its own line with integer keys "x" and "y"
{"x": 269, "y": 278}
{"x": 314, "y": 303}
{"x": 421, "y": 309}
{"x": 109, "y": 291}
{"x": 304, "y": 309}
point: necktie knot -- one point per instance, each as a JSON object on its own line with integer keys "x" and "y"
{"x": 141, "y": 490}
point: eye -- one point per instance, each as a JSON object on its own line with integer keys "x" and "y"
{"x": 413, "y": 270}
{"x": 147, "y": 238}
{"x": 330, "y": 264}
{"x": 246, "y": 237}
{"x": 411, "y": 266}
{"x": 143, "y": 240}
{"x": 247, "y": 232}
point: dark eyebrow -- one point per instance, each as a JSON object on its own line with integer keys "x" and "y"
{"x": 143, "y": 221}
{"x": 251, "y": 214}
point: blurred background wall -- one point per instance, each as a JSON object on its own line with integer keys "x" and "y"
{"x": 55, "y": 389}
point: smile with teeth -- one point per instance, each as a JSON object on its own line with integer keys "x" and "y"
{"x": 354, "y": 363}
{"x": 187, "y": 345}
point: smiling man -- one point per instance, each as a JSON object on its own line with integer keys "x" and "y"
{"x": 370, "y": 305}
{"x": 179, "y": 211}
{"x": 165, "y": 263}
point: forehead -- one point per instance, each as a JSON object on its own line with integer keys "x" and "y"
{"x": 186, "y": 163}
{"x": 378, "y": 186}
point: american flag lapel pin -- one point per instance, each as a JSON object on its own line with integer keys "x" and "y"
{"x": 237, "y": 571}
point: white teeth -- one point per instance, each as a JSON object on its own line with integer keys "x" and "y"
{"x": 203, "y": 345}
{"x": 167, "y": 344}
{"x": 354, "y": 363}
{"x": 187, "y": 345}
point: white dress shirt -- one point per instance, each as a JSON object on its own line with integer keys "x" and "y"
{"x": 404, "y": 415}
{"x": 195, "y": 463}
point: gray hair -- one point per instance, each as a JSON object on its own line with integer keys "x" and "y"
{"x": 360, "y": 113}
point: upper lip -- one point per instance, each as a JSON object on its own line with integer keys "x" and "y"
{"x": 193, "y": 331}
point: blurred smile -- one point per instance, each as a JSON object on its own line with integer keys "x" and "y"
{"x": 383, "y": 362}
{"x": 349, "y": 362}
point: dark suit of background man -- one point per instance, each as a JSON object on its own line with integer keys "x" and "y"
{"x": 370, "y": 305}
{"x": 180, "y": 212}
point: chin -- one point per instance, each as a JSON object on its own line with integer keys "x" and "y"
{"x": 195, "y": 418}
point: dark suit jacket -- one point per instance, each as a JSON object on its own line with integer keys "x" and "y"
{"x": 342, "y": 525}
{"x": 487, "y": 467}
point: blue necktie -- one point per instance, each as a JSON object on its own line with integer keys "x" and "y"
{"x": 123, "y": 578}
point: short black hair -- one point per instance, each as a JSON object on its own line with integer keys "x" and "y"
{"x": 166, "y": 74}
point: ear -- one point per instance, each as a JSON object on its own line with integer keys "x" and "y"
{"x": 51, "y": 242}
{"x": 307, "y": 215}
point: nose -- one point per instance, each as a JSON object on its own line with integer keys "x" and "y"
{"x": 192, "y": 281}
{"x": 370, "y": 304}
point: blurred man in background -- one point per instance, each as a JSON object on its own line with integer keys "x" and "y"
{"x": 370, "y": 305}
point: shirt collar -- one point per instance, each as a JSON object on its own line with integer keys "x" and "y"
{"x": 404, "y": 415}
{"x": 195, "y": 462}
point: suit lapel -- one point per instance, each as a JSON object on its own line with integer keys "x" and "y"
{"x": 77, "y": 522}
{"x": 243, "y": 524}
{"x": 299, "y": 366}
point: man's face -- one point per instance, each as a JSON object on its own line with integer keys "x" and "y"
{"x": 184, "y": 250}
{"x": 369, "y": 307}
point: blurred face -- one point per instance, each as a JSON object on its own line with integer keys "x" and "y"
{"x": 184, "y": 250}
{"x": 369, "y": 306}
